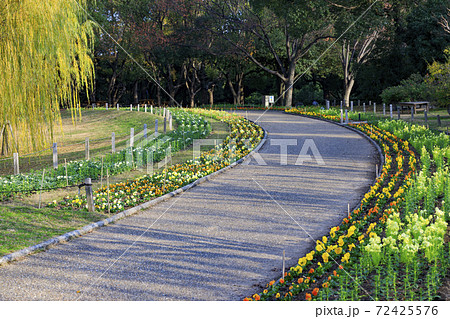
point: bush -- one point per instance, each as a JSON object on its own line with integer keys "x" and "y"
{"x": 412, "y": 89}
{"x": 438, "y": 80}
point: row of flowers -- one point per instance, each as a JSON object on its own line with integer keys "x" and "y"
{"x": 343, "y": 261}
{"x": 244, "y": 136}
{"x": 154, "y": 148}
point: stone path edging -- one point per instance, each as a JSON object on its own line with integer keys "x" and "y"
{"x": 131, "y": 211}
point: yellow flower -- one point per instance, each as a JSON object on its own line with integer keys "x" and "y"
{"x": 341, "y": 241}
{"x": 325, "y": 256}
{"x": 346, "y": 257}
{"x": 361, "y": 237}
{"x": 338, "y": 250}
{"x": 319, "y": 264}
{"x": 351, "y": 231}
{"x": 324, "y": 239}
{"x": 372, "y": 235}
{"x": 320, "y": 246}
{"x": 309, "y": 256}
{"x": 302, "y": 261}
{"x": 277, "y": 295}
{"x": 351, "y": 246}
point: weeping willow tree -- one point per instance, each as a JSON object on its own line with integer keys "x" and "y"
{"x": 45, "y": 62}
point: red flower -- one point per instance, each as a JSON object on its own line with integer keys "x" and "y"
{"x": 281, "y": 281}
{"x": 315, "y": 291}
{"x": 311, "y": 271}
{"x": 308, "y": 297}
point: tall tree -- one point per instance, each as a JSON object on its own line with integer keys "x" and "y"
{"x": 44, "y": 63}
{"x": 284, "y": 30}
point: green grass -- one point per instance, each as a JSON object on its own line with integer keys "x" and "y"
{"x": 22, "y": 224}
{"x": 94, "y": 124}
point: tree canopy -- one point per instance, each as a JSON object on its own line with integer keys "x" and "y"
{"x": 44, "y": 63}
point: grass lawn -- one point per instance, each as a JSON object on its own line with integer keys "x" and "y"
{"x": 97, "y": 125}
{"x": 22, "y": 224}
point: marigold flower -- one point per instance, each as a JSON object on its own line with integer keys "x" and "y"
{"x": 257, "y": 297}
{"x": 308, "y": 297}
{"x": 300, "y": 280}
{"x": 271, "y": 283}
{"x": 315, "y": 291}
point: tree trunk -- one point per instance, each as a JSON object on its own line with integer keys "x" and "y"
{"x": 136, "y": 92}
{"x": 348, "y": 86}
{"x": 211, "y": 95}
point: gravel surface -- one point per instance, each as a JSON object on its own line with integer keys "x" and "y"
{"x": 218, "y": 241}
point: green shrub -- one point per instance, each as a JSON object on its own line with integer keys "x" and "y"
{"x": 412, "y": 89}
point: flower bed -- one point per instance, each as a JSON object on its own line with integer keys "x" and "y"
{"x": 394, "y": 238}
{"x": 189, "y": 127}
{"x": 244, "y": 136}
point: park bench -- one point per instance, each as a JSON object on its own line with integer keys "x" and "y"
{"x": 416, "y": 106}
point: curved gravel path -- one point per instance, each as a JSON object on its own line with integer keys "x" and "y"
{"x": 219, "y": 241}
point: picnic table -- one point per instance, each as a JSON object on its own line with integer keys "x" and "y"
{"x": 417, "y": 106}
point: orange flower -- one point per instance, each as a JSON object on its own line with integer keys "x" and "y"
{"x": 308, "y": 297}
{"x": 315, "y": 291}
{"x": 257, "y": 297}
{"x": 300, "y": 280}
{"x": 334, "y": 273}
{"x": 341, "y": 267}
{"x": 271, "y": 283}
{"x": 281, "y": 281}
{"x": 247, "y": 299}
{"x": 325, "y": 285}
{"x": 311, "y": 271}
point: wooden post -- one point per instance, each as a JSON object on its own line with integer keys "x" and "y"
{"x": 374, "y": 107}
{"x": 101, "y": 175}
{"x": 342, "y": 116}
{"x": 165, "y": 121}
{"x": 164, "y": 112}
{"x": 113, "y": 143}
{"x": 67, "y": 175}
{"x": 42, "y": 186}
{"x": 170, "y": 121}
{"x": 86, "y": 148}
{"x": 351, "y": 106}
{"x": 151, "y": 109}
{"x": 106, "y": 105}
{"x": 346, "y": 116}
{"x": 328, "y": 105}
{"x": 439, "y": 120}
{"x": 131, "y": 107}
{"x": 390, "y": 111}
{"x": 132, "y": 137}
{"x": 412, "y": 113}
{"x": 117, "y": 106}
{"x": 55, "y": 155}
{"x": 138, "y": 108}
{"x": 145, "y": 131}
{"x": 16, "y": 163}
{"x": 364, "y": 107}
{"x": 107, "y": 187}
{"x": 156, "y": 126}
{"x": 384, "y": 108}
{"x": 425, "y": 113}
{"x": 89, "y": 195}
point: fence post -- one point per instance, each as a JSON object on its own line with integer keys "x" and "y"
{"x": 86, "y": 148}
{"x": 439, "y": 120}
{"x": 390, "y": 111}
{"x": 364, "y": 107}
{"x": 156, "y": 126}
{"x": 16, "y": 163}
{"x": 117, "y": 106}
{"x": 131, "y": 107}
{"x": 384, "y": 108}
{"x": 113, "y": 142}
{"x": 55, "y": 155}
{"x": 412, "y": 113}
{"x": 106, "y": 105}
{"x": 328, "y": 104}
{"x": 132, "y": 137}
{"x": 426, "y": 117}
{"x": 145, "y": 131}
{"x": 342, "y": 116}
{"x": 89, "y": 195}
{"x": 67, "y": 175}
{"x": 374, "y": 107}
{"x": 165, "y": 121}
{"x": 151, "y": 109}
{"x": 351, "y": 106}
{"x": 346, "y": 116}
{"x": 138, "y": 108}
{"x": 170, "y": 121}
{"x": 145, "y": 108}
